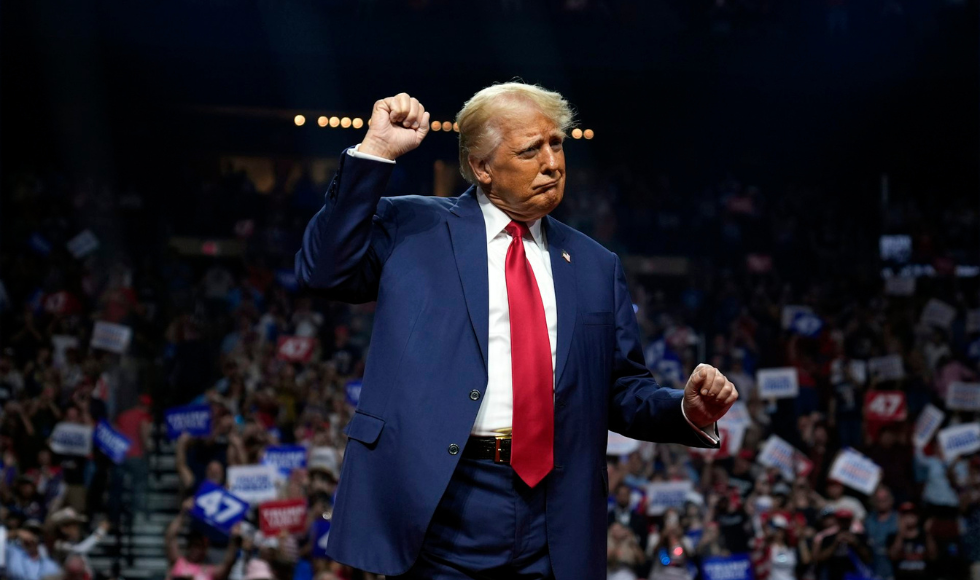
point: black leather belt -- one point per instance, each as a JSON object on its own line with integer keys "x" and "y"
{"x": 488, "y": 448}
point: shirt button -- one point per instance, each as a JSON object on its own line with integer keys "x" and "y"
{"x": 474, "y": 395}
{"x": 453, "y": 449}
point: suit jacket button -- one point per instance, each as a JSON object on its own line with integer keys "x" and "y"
{"x": 453, "y": 449}
{"x": 474, "y": 395}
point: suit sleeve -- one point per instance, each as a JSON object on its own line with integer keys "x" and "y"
{"x": 638, "y": 407}
{"x": 349, "y": 239}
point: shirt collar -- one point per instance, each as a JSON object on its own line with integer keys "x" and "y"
{"x": 496, "y": 220}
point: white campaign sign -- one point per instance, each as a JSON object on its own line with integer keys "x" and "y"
{"x": 662, "y": 496}
{"x": 858, "y": 368}
{"x": 887, "y": 368}
{"x": 778, "y": 453}
{"x": 737, "y": 416}
{"x": 83, "y": 244}
{"x": 253, "y": 483}
{"x": 959, "y": 440}
{"x": 111, "y": 337}
{"x": 617, "y": 444}
{"x": 778, "y": 383}
{"x": 938, "y": 313}
{"x": 856, "y": 471}
{"x": 963, "y": 396}
{"x": 926, "y": 425}
{"x": 71, "y": 439}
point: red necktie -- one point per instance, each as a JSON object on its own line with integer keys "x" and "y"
{"x": 532, "y": 446}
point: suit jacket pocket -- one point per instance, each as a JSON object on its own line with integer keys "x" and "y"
{"x": 606, "y": 318}
{"x": 364, "y": 428}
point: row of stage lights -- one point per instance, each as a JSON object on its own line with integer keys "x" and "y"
{"x": 357, "y": 123}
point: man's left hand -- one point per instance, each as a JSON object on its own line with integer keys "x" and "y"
{"x": 708, "y": 396}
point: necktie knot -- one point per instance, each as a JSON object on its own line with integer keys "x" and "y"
{"x": 517, "y": 229}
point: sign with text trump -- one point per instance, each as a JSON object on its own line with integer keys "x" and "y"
{"x": 856, "y": 471}
{"x": 778, "y": 383}
{"x": 287, "y": 514}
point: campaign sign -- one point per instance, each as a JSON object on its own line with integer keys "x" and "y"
{"x": 71, "y": 439}
{"x": 856, "y": 471}
{"x": 617, "y": 444}
{"x": 111, "y": 337}
{"x": 963, "y": 396}
{"x": 806, "y": 324}
{"x": 885, "y": 406}
{"x": 738, "y": 415}
{"x": 777, "y": 453}
{"x": 285, "y": 458}
{"x": 900, "y": 286}
{"x": 858, "y": 371}
{"x": 778, "y": 383}
{"x": 295, "y": 348}
{"x": 734, "y": 567}
{"x": 111, "y": 442}
{"x": 352, "y": 391}
{"x": 887, "y": 368}
{"x": 662, "y": 496}
{"x": 253, "y": 483}
{"x": 192, "y": 419}
{"x": 320, "y": 532}
{"x": 926, "y": 425}
{"x": 287, "y": 514}
{"x": 217, "y": 507}
{"x": 959, "y": 440}
{"x": 83, "y": 244}
{"x": 938, "y": 313}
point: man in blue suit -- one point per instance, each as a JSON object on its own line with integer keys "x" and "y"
{"x": 504, "y": 347}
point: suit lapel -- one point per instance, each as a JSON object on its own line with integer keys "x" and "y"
{"x": 563, "y": 271}
{"x": 468, "y": 232}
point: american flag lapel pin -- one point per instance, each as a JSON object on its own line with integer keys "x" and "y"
{"x": 567, "y": 256}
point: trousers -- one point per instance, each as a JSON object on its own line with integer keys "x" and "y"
{"x": 489, "y": 525}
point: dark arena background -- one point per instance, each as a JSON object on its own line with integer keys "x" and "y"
{"x": 792, "y": 186}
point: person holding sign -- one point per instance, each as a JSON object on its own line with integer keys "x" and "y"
{"x": 505, "y": 346}
{"x": 193, "y": 562}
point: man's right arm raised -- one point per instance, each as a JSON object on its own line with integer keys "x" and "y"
{"x": 347, "y": 242}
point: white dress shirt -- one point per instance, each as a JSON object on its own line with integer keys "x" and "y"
{"x": 496, "y": 410}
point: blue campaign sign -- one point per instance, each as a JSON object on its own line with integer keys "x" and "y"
{"x": 353, "y": 390}
{"x": 320, "y": 532}
{"x": 806, "y": 324}
{"x": 39, "y": 244}
{"x": 193, "y": 419}
{"x": 285, "y": 457}
{"x": 217, "y": 507}
{"x": 113, "y": 443}
{"x": 734, "y": 567}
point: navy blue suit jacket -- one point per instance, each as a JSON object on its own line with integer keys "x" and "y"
{"x": 424, "y": 260}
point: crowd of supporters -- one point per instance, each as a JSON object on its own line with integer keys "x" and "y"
{"x": 208, "y": 328}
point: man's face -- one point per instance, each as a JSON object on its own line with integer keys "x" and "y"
{"x": 623, "y": 496}
{"x": 525, "y": 175}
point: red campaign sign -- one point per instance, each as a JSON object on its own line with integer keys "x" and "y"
{"x": 295, "y": 348}
{"x": 885, "y": 406}
{"x": 286, "y": 514}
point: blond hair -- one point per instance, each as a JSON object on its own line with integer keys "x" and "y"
{"x": 478, "y": 120}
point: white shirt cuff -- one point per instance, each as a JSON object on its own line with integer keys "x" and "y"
{"x": 353, "y": 152}
{"x": 713, "y": 440}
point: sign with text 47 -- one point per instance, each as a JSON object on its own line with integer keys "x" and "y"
{"x": 295, "y": 348}
{"x": 217, "y": 507}
{"x": 885, "y": 406}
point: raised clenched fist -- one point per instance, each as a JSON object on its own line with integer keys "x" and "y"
{"x": 398, "y": 124}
